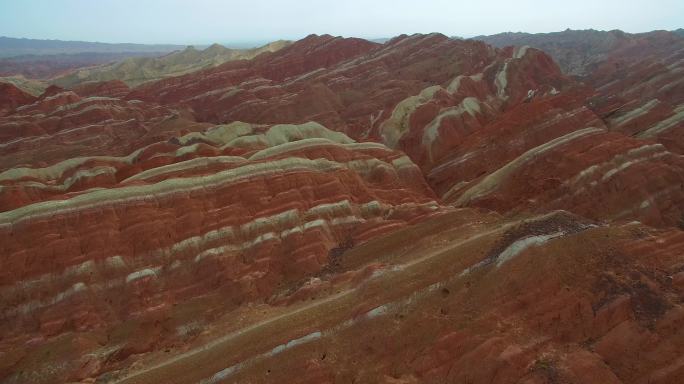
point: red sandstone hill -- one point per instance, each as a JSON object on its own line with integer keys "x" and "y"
{"x": 112, "y": 88}
{"x": 12, "y": 97}
{"x": 451, "y": 104}
{"x": 425, "y": 210}
{"x": 637, "y": 77}
{"x": 579, "y": 52}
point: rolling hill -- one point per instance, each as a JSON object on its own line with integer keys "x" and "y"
{"x": 137, "y": 70}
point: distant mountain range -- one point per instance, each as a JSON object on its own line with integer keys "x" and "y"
{"x": 132, "y": 63}
{"x": 10, "y": 47}
{"x": 47, "y": 66}
{"x": 137, "y": 70}
{"x": 42, "y": 59}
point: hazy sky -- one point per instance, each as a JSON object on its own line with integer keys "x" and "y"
{"x": 207, "y": 21}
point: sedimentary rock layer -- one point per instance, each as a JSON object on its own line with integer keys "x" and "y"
{"x": 138, "y": 70}
{"x": 551, "y": 297}
{"x": 424, "y": 210}
{"x": 238, "y": 212}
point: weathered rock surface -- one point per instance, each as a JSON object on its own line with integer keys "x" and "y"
{"x": 228, "y": 216}
{"x": 637, "y": 77}
{"x": 462, "y": 297}
{"x": 341, "y": 83}
{"x": 579, "y": 52}
{"x": 61, "y": 125}
{"x": 12, "y": 97}
{"x": 425, "y": 210}
{"x": 473, "y": 124}
{"x": 111, "y": 88}
{"x": 32, "y": 87}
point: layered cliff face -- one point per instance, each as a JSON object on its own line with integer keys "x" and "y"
{"x": 579, "y": 52}
{"x": 424, "y": 210}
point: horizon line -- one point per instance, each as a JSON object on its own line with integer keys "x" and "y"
{"x": 267, "y": 40}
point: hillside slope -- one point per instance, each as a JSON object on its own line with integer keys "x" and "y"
{"x": 578, "y": 51}
{"x": 137, "y": 70}
{"x": 44, "y": 67}
{"x": 637, "y": 78}
{"x": 426, "y": 210}
{"x": 33, "y": 87}
{"x": 454, "y": 106}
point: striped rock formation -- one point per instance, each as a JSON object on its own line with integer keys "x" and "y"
{"x": 111, "y": 88}
{"x": 638, "y": 77}
{"x": 425, "y": 210}
{"x": 12, "y": 97}
{"x": 640, "y": 91}
{"x": 62, "y": 125}
{"x": 229, "y": 216}
{"x": 344, "y": 84}
{"x": 555, "y": 153}
{"x": 461, "y": 297}
{"x": 472, "y": 117}
{"x": 134, "y": 71}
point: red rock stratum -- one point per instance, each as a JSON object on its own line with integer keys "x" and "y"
{"x": 425, "y": 210}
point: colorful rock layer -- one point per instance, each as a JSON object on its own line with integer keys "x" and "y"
{"x": 425, "y": 210}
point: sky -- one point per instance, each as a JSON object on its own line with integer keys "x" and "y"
{"x": 246, "y": 21}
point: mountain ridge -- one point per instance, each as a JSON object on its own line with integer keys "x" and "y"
{"x": 136, "y": 71}
{"x": 10, "y": 46}
{"x": 424, "y": 210}
{"x": 575, "y": 50}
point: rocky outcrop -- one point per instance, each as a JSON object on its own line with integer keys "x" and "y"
{"x": 521, "y": 122}
{"x": 640, "y": 91}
